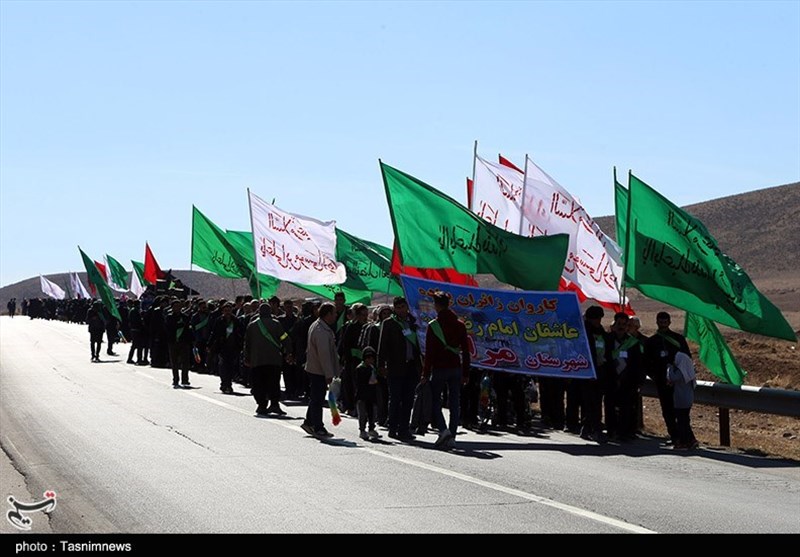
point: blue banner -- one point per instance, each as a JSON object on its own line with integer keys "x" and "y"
{"x": 535, "y": 333}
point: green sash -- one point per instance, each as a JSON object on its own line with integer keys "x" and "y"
{"x": 412, "y": 337}
{"x": 630, "y": 342}
{"x": 436, "y": 327}
{"x": 268, "y": 335}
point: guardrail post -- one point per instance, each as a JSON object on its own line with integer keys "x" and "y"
{"x": 724, "y": 427}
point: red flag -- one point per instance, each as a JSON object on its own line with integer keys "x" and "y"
{"x": 102, "y": 269}
{"x": 441, "y": 275}
{"x": 152, "y": 272}
{"x": 505, "y": 162}
{"x": 470, "y": 188}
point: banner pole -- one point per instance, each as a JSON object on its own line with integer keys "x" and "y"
{"x": 522, "y": 199}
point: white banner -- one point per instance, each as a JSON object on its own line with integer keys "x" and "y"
{"x": 136, "y": 285}
{"x": 293, "y": 247}
{"x": 77, "y": 287}
{"x": 541, "y": 208}
{"x": 51, "y": 289}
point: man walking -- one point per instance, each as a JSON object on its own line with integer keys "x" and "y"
{"x": 446, "y": 366}
{"x": 322, "y": 365}
{"x": 266, "y": 345}
{"x": 399, "y": 356}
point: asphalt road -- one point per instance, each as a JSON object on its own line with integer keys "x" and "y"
{"x": 126, "y": 453}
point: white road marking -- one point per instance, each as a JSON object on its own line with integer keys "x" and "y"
{"x": 577, "y": 511}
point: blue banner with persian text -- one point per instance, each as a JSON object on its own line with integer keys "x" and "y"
{"x": 535, "y": 333}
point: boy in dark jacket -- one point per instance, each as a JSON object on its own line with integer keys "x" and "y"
{"x": 367, "y": 394}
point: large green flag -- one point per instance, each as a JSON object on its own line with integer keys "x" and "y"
{"x": 99, "y": 282}
{"x": 714, "y": 351}
{"x": 671, "y": 257}
{"x": 436, "y": 232}
{"x": 212, "y": 250}
{"x": 242, "y": 242}
{"x": 367, "y": 264}
{"x": 354, "y": 291}
{"x": 119, "y": 276}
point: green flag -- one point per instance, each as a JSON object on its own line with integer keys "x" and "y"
{"x": 671, "y": 257}
{"x": 242, "y": 243}
{"x": 367, "y": 268}
{"x": 119, "y": 276}
{"x": 212, "y": 250}
{"x": 621, "y": 209}
{"x": 714, "y": 351}
{"x": 103, "y": 290}
{"x": 354, "y": 290}
{"x": 435, "y": 232}
{"x": 138, "y": 268}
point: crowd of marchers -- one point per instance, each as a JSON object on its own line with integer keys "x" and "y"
{"x": 371, "y": 358}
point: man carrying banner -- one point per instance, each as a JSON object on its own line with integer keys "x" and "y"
{"x": 399, "y": 357}
{"x": 660, "y": 351}
{"x": 446, "y": 365}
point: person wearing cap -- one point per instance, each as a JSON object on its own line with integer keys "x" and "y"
{"x": 266, "y": 345}
{"x": 366, "y": 375}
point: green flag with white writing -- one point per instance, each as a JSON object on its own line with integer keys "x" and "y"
{"x": 714, "y": 351}
{"x": 103, "y": 290}
{"x": 671, "y": 257}
{"x": 436, "y": 232}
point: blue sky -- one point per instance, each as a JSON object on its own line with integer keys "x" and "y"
{"x": 116, "y": 117}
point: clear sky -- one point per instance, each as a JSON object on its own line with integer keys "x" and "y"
{"x": 116, "y": 117}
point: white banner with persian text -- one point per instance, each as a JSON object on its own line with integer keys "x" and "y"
{"x": 542, "y": 207}
{"x": 293, "y": 247}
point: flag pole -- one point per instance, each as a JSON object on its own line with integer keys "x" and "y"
{"x": 627, "y": 236}
{"x": 474, "y": 164}
{"x": 255, "y": 249}
{"x": 522, "y": 199}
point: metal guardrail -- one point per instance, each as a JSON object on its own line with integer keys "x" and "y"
{"x": 780, "y": 402}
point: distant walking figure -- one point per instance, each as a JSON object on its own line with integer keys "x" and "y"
{"x": 12, "y": 306}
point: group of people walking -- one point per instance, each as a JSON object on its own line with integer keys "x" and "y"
{"x": 373, "y": 361}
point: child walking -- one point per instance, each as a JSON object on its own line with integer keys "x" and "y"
{"x": 367, "y": 394}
